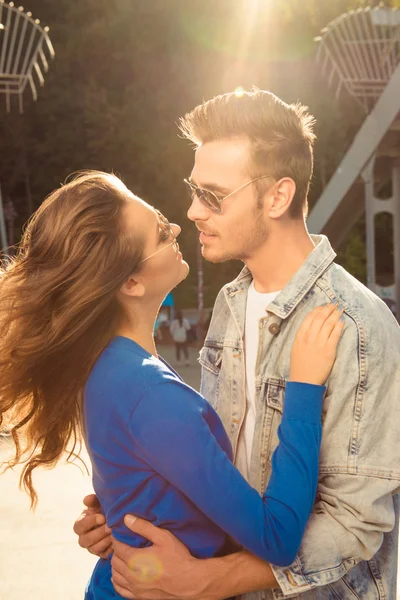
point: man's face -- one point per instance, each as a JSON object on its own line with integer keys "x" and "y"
{"x": 223, "y": 166}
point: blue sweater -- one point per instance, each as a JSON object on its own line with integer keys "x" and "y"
{"x": 159, "y": 451}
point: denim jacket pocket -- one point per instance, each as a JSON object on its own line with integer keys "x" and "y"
{"x": 363, "y": 583}
{"x": 210, "y": 359}
{"x": 273, "y": 394}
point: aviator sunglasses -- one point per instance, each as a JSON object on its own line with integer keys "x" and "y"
{"x": 211, "y": 200}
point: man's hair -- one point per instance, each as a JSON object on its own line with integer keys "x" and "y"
{"x": 281, "y": 136}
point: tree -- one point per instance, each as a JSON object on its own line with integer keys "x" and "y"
{"x": 126, "y": 70}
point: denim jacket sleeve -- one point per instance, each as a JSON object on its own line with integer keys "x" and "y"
{"x": 360, "y": 460}
{"x": 171, "y": 428}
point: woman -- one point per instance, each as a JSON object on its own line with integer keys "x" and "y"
{"x": 77, "y": 313}
{"x": 179, "y": 331}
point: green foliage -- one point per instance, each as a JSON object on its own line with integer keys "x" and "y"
{"x": 126, "y": 70}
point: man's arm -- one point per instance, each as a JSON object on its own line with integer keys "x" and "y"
{"x": 167, "y": 570}
{"x": 136, "y": 572}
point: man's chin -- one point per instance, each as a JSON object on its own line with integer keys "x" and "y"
{"x": 213, "y": 256}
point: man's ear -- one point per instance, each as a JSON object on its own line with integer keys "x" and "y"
{"x": 283, "y": 194}
{"x": 132, "y": 287}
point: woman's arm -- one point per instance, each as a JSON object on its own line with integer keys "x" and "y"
{"x": 180, "y": 445}
{"x": 170, "y": 427}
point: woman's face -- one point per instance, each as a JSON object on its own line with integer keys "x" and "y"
{"x": 162, "y": 266}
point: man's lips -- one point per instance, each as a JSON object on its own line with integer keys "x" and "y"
{"x": 205, "y": 237}
{"x": 208, "y": 233}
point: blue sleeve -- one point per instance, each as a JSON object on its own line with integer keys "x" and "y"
{"x": 170, "y": 427}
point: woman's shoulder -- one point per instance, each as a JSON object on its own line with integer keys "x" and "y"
{"x": 123, "y": 362}
{"x": 125, "y": 370}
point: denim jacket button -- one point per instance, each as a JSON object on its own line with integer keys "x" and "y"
{"x": 274, "y": 328}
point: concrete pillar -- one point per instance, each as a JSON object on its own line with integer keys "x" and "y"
{"x": 368, "y": 176}
{"x": 374, "y": 206}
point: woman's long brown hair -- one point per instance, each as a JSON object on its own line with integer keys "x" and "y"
{"x": 58, "y": 311}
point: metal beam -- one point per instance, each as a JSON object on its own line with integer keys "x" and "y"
{"x": 365, "y": 144}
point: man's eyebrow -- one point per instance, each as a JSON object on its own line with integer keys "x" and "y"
{"x": 212, "y": 187}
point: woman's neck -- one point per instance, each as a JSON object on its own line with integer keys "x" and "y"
{"x": 139, "y": 327}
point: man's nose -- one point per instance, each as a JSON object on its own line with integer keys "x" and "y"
{"x": 197, "y": 211}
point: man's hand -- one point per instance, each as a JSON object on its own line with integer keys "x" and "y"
{"x": 162, "y": 571}
{"x": 91, "y": 528}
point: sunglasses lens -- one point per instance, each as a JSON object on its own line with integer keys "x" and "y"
{"x": 189, "y": 190}
{"x": 207, "y": 198}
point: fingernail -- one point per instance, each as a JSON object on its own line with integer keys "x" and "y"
{"x": 108, "y": 529}
{"x": 100, "y": 519}
{"x": 129, "y": 520}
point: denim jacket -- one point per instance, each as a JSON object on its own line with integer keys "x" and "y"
{"x": 349, "y": 550}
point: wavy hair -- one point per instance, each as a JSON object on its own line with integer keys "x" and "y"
{"x": 58, "y": 311}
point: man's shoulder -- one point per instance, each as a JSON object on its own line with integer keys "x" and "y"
{"x": 359, "y": 302}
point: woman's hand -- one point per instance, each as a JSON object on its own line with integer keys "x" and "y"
{"x": 314, "y": 348}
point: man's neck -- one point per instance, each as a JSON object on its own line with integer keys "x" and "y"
{"x": 282, "y": 255}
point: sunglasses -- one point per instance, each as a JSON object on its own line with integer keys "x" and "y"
{"x": 211, "y": 200}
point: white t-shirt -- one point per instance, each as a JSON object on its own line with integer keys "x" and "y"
{"x": 255, "y": 310}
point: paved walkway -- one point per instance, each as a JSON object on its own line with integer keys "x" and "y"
{"x": 39, "y": 557}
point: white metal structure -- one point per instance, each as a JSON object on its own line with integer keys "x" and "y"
{"x": 360, "y": 52}
{"x": 25, "y": 47}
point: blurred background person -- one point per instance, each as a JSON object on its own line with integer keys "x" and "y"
{"x": 179, "y": 329}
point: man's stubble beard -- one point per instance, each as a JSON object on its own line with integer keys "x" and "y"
{"x": 256, "y": 236}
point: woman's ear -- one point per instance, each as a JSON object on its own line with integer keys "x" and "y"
{"x": 132, "y": 287}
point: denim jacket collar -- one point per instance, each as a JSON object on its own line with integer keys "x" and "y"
{"x": 313, "y": 267}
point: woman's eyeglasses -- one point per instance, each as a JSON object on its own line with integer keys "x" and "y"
{"x": 211, "y": 200}
{"x": 166, "y": 233}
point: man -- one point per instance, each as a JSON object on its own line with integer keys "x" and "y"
{"x": 249, "y": 189}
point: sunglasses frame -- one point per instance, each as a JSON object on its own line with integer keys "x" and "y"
{"x": 163, "y": 221}
{"x": 193, "y": 190}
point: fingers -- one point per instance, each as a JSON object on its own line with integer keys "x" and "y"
{"x": 336, "y": 333}
{"x": 102, "y": 548}
{"x": 330, "y": 323}
{"x": 120, "y": 570}
{"x": 98, "y": 538}
{"x": 122, "y": 591}
{"x": 122, "y": 551}
{"x": 92, "y": 501}
{"x": 86, "y": 523}
{"x": 317, "y": 314}
{"x": 319, "y": 317}
{"x": 145, "y": 529}
{"x": 106, "y": 553}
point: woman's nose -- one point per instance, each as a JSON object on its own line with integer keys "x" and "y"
{"x": 176, "y": 229}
